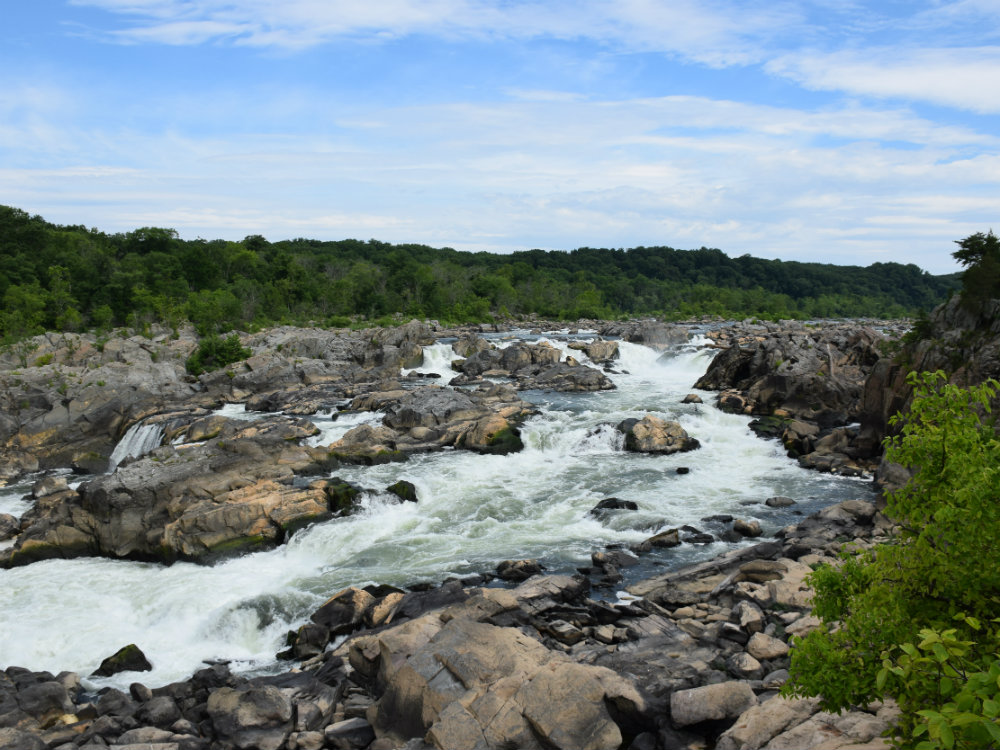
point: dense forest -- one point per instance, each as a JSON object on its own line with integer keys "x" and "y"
{"x": 56, "y": 277}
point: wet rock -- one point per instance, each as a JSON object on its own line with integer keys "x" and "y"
{"x": 654, "y": 435}
{"x": 613, "y": 503}
{"x": 405, "y": 491}
{"x": 469, "y": 344}
{"x": 9, "y": 526}
{"x": 518, "y": 570}
{"x": 669, "y": 538}
{"x": 127, "y": 659}
{"x": 15, "y": 739}
{"x": 779, "y": 502}
{"x": 692, "y": 398}
{"x": 343, "y": 612}
{"x": 747, "y": 528}
{"x": 159, "y": 711}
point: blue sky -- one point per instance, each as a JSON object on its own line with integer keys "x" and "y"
{"x": 821, "y": 130}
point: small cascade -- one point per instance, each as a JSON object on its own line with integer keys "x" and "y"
{"x": 138, "y": 441}
{"x": 437, "y": 361}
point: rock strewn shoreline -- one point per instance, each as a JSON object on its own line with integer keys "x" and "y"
{"x": 695, "y": 658}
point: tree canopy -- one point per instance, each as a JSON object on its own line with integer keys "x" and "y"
{"x": 70, "y": 277}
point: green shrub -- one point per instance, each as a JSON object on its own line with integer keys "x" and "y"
{"x": 913, "y": 619}
{"x": 214, "y": 352}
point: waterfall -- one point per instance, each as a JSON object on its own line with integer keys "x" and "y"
{"x": 138, "y": 441}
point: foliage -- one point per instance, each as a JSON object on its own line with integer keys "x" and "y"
{"x": 959, "y": 679}
{"x": 943, "y": 564}
{"x": 70, "y": 277}
{"x": 214, "y": 352}
{"x": 980, "y": 255}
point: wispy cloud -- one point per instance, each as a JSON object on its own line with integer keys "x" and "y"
{"x": 965, "y": 78}
{"x": 713, "y": 32}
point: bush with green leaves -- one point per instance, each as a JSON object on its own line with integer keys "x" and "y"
{"x": 913, "y": 619}
{"x": 214, "y": 352}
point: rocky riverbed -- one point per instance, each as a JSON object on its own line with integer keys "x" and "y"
{"x": 693, "y": 658}
{"x": 504, "y": 656}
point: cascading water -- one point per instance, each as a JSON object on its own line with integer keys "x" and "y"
{"x": 140, "y": 439}
{"x": 473, "y": 512}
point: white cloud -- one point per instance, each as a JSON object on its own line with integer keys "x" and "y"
{"x": 555, "y": 172}
{"x": 714, "y": 32}
{"x": 965, "y": 78}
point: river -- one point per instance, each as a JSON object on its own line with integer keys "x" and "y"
{"x": 473, "y": 512}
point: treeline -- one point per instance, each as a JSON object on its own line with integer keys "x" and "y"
{"x": 70, "y": 277}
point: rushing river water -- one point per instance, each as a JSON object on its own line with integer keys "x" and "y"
{"x": 474, "y": 511}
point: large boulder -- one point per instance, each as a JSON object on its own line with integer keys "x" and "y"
{"x": 655, "y": 435}
{"x": 224, "y": 497}
{"x": 252, "y": 717}
{"x": 811, "y": 374}
{"x": 477, "y": 685}
{"x": 723, "y": 700}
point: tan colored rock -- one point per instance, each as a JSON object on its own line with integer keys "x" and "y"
{"x": 723, "y": 700}
{"x": 826, "y": 731}
{"x": 477, "y": 685}
{"x": 766, "y": 647}
{"x": 757, "y": 725}
{"x": 654, "y": 435}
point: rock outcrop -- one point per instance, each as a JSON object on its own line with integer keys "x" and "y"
{"x": 804, "y": 384}
{"x": 530, "y": 366}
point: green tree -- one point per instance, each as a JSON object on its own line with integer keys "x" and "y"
{"x": 980, "y": 255}
{"x": 939, "y": 575}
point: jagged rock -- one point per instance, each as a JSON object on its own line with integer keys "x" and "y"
{"x": 159, "y": 711}
{"x": 759, "y": 724}
{"x": 49, "y": 486}
{"x": 258, "y": 717}
{"x": 813, "y": 375}
{"x": 9, "y": 526}
{"x": 344, "y": 611}
{"x": 350, "y": 734}
{"x": 127, "y": 659}
{"x": 654, "y": 435}
{"x": 15, "y": 739}
{"x": 749, "y": 616}
{"x": 469, "y": 344}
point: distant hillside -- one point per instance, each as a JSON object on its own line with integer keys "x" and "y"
{"x": 69, "y": 277}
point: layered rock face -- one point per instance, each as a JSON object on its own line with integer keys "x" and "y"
{"x": 805, "y": 385}
{"x": 963, "y": 343}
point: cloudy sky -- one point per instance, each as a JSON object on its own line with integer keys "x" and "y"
{"x": 826, "y": 130}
